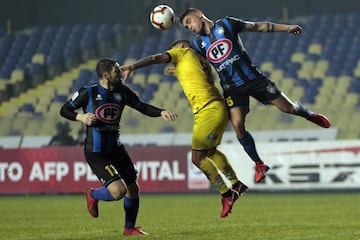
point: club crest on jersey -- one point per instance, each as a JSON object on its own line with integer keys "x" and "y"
{"x": 108, "y": 113}
{"x": 219, "y": 50}
{"x": 220, "y": 31}
{"x": 117, "y": 96}
{"x": 98, "y": 98}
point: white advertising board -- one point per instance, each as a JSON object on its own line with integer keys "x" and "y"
{"x": 300, "y": 165}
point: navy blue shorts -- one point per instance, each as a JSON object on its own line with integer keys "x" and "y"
{"x": 109, "y": 167}
{"x": 261, "y": 88}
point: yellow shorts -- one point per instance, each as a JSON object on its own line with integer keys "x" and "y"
{"x": 209, "y": 125}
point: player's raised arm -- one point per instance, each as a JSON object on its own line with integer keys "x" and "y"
{"x": 272, "y": 27}
{"x": 143, "y": 62}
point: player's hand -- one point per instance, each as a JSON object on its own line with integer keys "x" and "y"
{"x": 126, "y": 71}
{"x": 295, "y": 29}
{"x": 168, "y": 115}
{"x": 170, "y": 71}
{"x": 88, "y": 119}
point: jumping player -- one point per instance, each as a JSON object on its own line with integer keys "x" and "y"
{"x": 218, "y": 41}
{"x": 103, "y": 104}
{"x": 210, "y": 116}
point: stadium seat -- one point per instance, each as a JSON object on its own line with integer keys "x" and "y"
{"x": 323, "y": 71}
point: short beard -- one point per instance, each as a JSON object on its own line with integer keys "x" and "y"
{"x": 202, "y": 29}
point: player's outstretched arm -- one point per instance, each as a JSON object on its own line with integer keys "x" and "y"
{"x": 168, "y": 115}
{"x": 272, "y": 27}
{"x": 126, "y": 70}
{"x": 143, "y": 62}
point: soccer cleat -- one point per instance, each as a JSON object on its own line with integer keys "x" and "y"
{"x": 92, "y": 204}
{"x": 260, "y": 171}
{"x": 316, "y": 118}
{"x": 241, "y": 188}
{"x": 228, "y": 202}
{"x": 319, "y": 119}
{"x": 134, "y": 231}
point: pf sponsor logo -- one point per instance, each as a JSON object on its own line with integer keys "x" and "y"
{"x": 219, "y": 50}
{"x": 108, "y": 113}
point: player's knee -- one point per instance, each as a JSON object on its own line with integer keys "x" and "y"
{"x": 197, "y": 156}
{"x": 117, "y": 190}
{"x": 196, "y": 161}
{"x": 117, "y": 195}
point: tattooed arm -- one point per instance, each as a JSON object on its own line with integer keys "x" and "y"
{"x": 272, "y": 27}
{"x": 143, "y": 62}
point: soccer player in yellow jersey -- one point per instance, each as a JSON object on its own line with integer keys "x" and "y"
{"x": 210, "y": 115}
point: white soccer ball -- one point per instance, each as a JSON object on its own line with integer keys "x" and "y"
{"x": 162, "y": 17}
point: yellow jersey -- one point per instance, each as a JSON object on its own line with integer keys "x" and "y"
{"x": 194, "y": 76}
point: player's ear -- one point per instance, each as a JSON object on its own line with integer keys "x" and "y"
{"x": 105, "y": 75}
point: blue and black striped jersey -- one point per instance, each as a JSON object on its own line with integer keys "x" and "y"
{"x": 224, "y": 50}
{"x": 108, "y": 107}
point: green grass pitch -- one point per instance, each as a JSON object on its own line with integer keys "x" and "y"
{"x": 255, "y": 216}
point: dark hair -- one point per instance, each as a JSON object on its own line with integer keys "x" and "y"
{"x": 183, "y": 41}
{"x": 187, "y": 12}
{"x": 104, "y": 65}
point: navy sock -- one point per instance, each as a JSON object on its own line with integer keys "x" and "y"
{"x": 102, "y": 194}
{"x": 249, "y": 146}
{"x": 131, "y": 207}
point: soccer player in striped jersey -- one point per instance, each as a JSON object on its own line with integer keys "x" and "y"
{"x": 219, "y": 42}
{"x": 103, "y": 104}
{"x": 210, "y": 116}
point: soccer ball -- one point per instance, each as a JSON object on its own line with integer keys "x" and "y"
{"x": 162, "y": 17}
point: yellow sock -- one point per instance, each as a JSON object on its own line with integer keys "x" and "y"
{"x": 211, "y": 172}
{"x": 224, "y": 166}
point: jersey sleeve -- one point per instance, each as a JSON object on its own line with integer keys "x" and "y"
{"x": 133, "y": 101}
{"x": 176, "y": 54}
{"x": 237, "y": 24}
{"x": 78, "y": 100}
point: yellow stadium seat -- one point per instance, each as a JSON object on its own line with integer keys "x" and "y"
{"x": 139, "y": 78}
{"x": 323, "y": 65}
{"x": 164, "y": 87}
{"x": 319, "y": 73}
{"x": 298, "y": 57}
{"x": 38, "y": 58}
{"x": 350, "y": 101}
{"x": 357, "y": 72}
{"x": 42, "y": 107}
{"x": 296, "y": 93}
{"x": 329, "y": 82}
{"x": 17, "y": 75}
{"x": 277, "y": 75}
{"x": 154, "y": 78}
{"x": 176, "y": 88}
{"x": 267, "y": 66}
{"x": 315, "y": 48}
{"x": 286, "y": 84}
{"x": 308, "y": 65}
{"x": 3, "y": 84}
{"x": 305, "y": 74}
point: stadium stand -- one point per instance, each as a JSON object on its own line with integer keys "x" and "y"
{"x": 42, "y": 67}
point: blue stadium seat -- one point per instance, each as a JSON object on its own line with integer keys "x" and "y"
{"x": 60, "y": 98}
{"x": 104, "y": 32}
{"x": 120, "y": 57}
{"x": 88, "y": 40}
{"x": 27, "y": 107}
